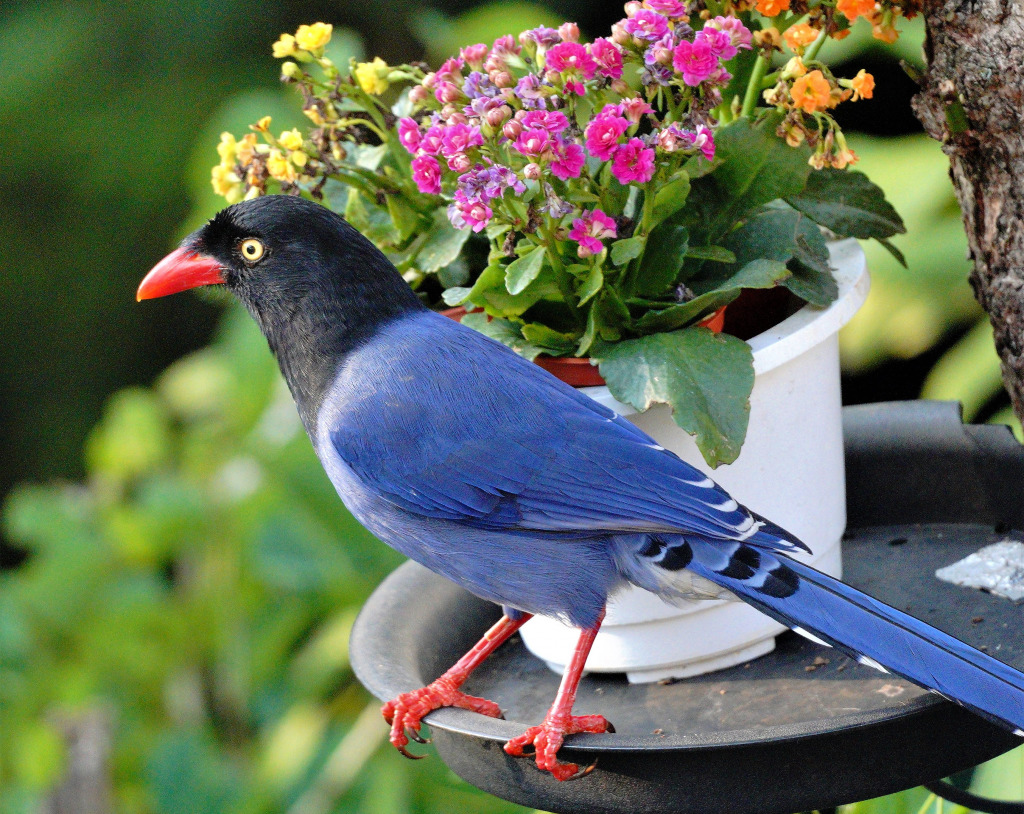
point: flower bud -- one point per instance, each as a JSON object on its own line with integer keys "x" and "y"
{"x": 503, "y": 79}
{"x": 496, "y": 115}
{"x": 456, "y": 116}
{"x": 291, "y": 70}
{"x": 551, "y": 77}
{"x": 512, "y": 129}
{"x": 447, "y": 92}
{"x": 459, "y": 162}
{"x": 632, "y": 7}
{"x": 418, "y": 95}
{"x": 620, "y": 87}
{"x": 532, "y": 171}
{"x": 430, "y": 81}
{"x": 569, "y": 32}
{"x": 620, "y": 36}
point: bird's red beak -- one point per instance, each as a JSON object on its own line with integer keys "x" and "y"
{"x": 180, "y": 270}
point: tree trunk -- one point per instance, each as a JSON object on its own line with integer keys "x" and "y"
{"x": 972, "y": 100}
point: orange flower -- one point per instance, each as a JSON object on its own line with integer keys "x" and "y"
{"x": 863, "y": 85}
{"x": 811, "y": 92}
{"x": 770, "y": 8}
{"x": 884, "y": 29}
{"x": 800, "y": 36}
{"x": 855, "y": 8}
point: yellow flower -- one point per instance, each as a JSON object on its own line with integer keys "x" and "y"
{"x": 226, "y": 183}
{"x": 812, "y": 92}
{"x": 312, "y": 37}
{"x": 299, "y": 158}
{"x": 226, "y": 148}
{"x": 863, "y": 85}
{"x": 800, "y": 36}
{"x": 262, "y": 126}
{"x": 246, "y": 149}
{"x": 279, "y": 167}
{"x": 795, "y": 68}
{"x": 372, "y": 76}
{"x": 291, "y": 139}
{"x": 285, "y": 46}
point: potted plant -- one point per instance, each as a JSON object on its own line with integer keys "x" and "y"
{"x": 605, "y": 201}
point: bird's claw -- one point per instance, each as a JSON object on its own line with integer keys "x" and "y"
{"x": 546, "y": 739}
{"x": 405, "y": 713}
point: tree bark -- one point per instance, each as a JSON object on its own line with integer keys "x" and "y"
{"x": 972, "y": 100}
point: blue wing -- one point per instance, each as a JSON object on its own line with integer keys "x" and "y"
{"x": 448, "y": 424}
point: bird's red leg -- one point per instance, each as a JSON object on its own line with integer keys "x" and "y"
{"x": 548, "y": 736}
{"x": 405, "y": 712}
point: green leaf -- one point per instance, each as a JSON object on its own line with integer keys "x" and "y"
{"x": 443, "y": 244}
{"x": 455, "y": 296}
{"x": 893, "y": 251}
{"x": 592, "y": 284}
{"x": 506, "y": 332}
{"x": 849, "y": 204}
{"x": 551, "y": 341}
{"x": 489, "y": 292}
{"x": 625, "y": 250}
{"x": 524, "y": 270}
{"x": 669, "y": 199}
{"x": 706, "y": 378}
{"x": 810, "y": 284}
{"x": 718, "y": 254}
{"x": 757, "y": 167}
{"x": 405, "y": 218}
{"x": 663, "y": 259}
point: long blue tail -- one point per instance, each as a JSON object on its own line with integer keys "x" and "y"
{"x": 870, "y": 631}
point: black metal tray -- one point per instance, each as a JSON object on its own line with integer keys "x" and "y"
{"x": 801, "y": 728}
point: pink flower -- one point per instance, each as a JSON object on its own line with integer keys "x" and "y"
{"x": 569, "y": 160}
{"x": 469, "y": 212}
{"x": 409, "y": 134}
{"x": 720, "y": 42}
{"x": 569, "y": 32}
{"x": 533, "y": 142}
{"x": 738, "y": 33}
{"x": 590, "y": 230}
{"x": 447, "y": 92}
{"x": 603, "y": 134}
{"x": 474, "y": 55}
{"x": 460, "y": 138}
{"x": 634, "y": 108}
{"x": 670, "y": 8}
{"x": 554, "y": 121}
{"x": 426, "y": 172}
{"x": 696, "y": 61}
{"x": 573, "y": 62}
{"x": 505, "y": 47}
{"x": 431, "y": 141}
{"x": 646, "y": 25}
{"x": 633, "y": 162}
{"x": 608, "y": 58}
{"x": 450, "y": 71}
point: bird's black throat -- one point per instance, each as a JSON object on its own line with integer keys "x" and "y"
{"x": 322, "y": 290}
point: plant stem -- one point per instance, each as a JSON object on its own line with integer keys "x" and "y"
{"x": 754, "y": 86}
{"x": 814, "y": 47}
{"x": 561, "y": 275}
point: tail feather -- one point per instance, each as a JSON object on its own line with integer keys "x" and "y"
{"x": 868, "y": 630}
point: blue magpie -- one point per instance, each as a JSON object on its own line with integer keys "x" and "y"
{"x": 486, "y": 469}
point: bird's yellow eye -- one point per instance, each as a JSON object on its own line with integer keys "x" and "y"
{"x": 251, "y": 249}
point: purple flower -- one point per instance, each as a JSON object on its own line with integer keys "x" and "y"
{"x": 479, "y": 84}
{"x": 487, "y": 183}
{"x": 646, "y": 25}
{"x": 608, "y": 58}
{"x": 590, "y": 230}
{"x": 409, "y": 134}
{"x": 460, "y": 138}
{"x": 533, "y": 142}
{"x": 633, "y": 161}
{"x": 542, "y": 37}
{"x": 481, "y": 105}
{"x": 553, "y": 205}
{"x": 528, "y": 90}
{"x": 426, "y": 172}
{"x": 554, "y": 121}
{"x": 660, "y": 51}
{"x": 569, "y": 160}
{"x": 674, "y": 138}
{"x": 656, "y": 74}
{"x": 603, "y": 134}
{"x": 696, "y": 61}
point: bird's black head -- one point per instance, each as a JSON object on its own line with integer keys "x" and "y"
{"x": 316, "y": 286}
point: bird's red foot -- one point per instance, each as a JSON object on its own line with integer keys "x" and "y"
{"x": 546, "y": 739}
{"x": 406, "y": 712}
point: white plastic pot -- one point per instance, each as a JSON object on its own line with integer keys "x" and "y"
{"x": 790, "y": 470}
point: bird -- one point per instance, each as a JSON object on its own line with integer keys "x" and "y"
{"x": 481, "y": 466}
